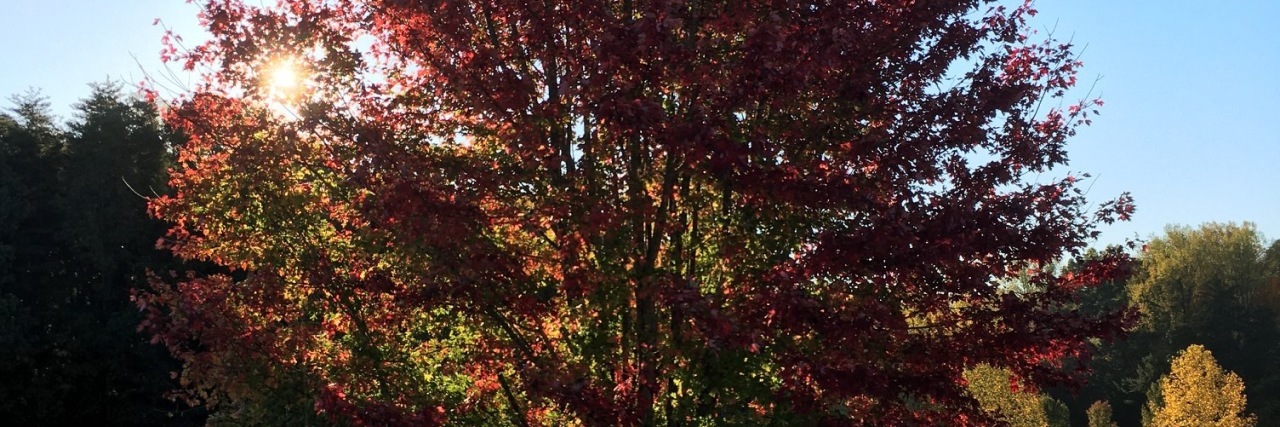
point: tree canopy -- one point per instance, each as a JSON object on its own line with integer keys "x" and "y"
{"x": 1099, "y": 414}
{"x": 998, "y": 392}
{"x": 630, "y": 212}
{"x": 1193, "y": 277}
{"x": 1207, "y": 285}
{"x": 1198, "y": 392}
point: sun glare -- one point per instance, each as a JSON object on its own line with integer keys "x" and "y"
{"x": 285, "y": 78}
{"x": 284, "y": 83}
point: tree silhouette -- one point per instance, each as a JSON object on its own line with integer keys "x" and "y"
{"x": 73, "y": 241}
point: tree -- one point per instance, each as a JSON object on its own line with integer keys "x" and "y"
{"x": 1197, "y": 392}
{"x": 1209, "y": 284}
{"x": 73, "y": 241}
{"x": 32, "y": 154}
{"x": 998, "y": 393}
{"x": 1271, "y": 263}
{"x": 1056, "y": 413}
{"x": 1190, "y": 277}
{"x": 117, "y": 149}
{"x": 1100, "y": 414}
{"x": 624, "y": 213}
{"x": 1113, "y": 363}
{"x": 117, "y": 152}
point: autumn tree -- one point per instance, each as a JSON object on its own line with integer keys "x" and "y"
{"x": 632, "y": 212}
{"x": 999, "y": 393}
{"x": 1208, "y": 284}
{"x": 1192, "y": 276}
{"x": 1100, "y": 414}
{"x": 1197, "y": 392}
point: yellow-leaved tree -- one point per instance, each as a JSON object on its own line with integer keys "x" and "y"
{"x": 1198, "y": 392}
{"x": 1100, "y": 414}
{"x": 993, "y": 388}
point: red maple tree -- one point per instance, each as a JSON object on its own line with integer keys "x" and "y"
{"x": 625, "y": 212}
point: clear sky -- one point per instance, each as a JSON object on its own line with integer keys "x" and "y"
{"x": 1192, "y": 91}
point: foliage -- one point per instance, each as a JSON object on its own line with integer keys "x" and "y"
{"x": 998, "y": 392}
{"x": 1100, "y": 414}
{"x": 1189, "y": 275}
{"x": 625, "y": 212}
{"x": 1271, "y": 263}
{"x": 1197, "y": 392}
{"x": 1114, "y": 362}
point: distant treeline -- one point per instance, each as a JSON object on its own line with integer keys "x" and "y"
{"x": 75, "y": 237}
{"x": 1213, "y": 289}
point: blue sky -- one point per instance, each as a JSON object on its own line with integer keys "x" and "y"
{"x": 1192, "y": 92}
{"x": 60, "y": 46}
{"x": 1193, "y": 103}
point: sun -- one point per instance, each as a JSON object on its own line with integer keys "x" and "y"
{"x": 284, "y": 83}
{"x": 284, "y": 78}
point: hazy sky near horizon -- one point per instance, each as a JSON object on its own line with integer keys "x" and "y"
{"x": 1192, "y": 92}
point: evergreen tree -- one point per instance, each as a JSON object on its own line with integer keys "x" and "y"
{"x": 73, "y": 241}
{"x": 31, "y": 154}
